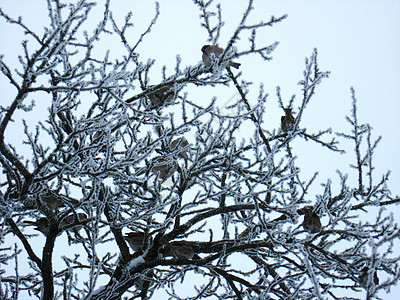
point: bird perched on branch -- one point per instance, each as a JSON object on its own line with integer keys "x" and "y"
{"x": 363, "y": 278}
{"x": 209, "y": 51}
{"x": 287, "y": 121}
{"x": 181, "y": 250}
{"x": 179, "y": 146}
{"x": 73, "y": 219}
{"x": 136, "y": 240}
{"x": 180, "y": 143}
{"x": 177, "y": 249}
{"x": 163, "y": 167}
{"x": 51, "y": 200}
{"x": 42, "y": 224}
{"x": 311, "y": 222}
{"x": 161, "y": 96}
{"x": 54, "y": 201}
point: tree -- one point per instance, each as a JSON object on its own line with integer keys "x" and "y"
{"x": 153, "y": 191}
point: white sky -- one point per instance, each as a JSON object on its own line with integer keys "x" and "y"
{"x": 358, "y": 41}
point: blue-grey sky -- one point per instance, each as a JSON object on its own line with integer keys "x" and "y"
{"x": 357, "y": 40}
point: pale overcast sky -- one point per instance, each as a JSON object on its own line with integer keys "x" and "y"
{"x": 357, "y": 40}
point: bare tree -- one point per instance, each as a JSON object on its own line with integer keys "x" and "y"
{"x": 158, "y": 192}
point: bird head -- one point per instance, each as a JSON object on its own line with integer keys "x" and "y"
{"x": 204, "y": 48}
{"x": 306, "y": 210}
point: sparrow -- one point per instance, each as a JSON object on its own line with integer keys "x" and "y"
{"x": 181, "y": 250}
{"x": 363, "y": 278}
{"x": 161, "y": 96}
{"x": 311, "y": 222}
{"x": 136, "y": 240}
{"x": 71, "y": 219}
{"x": 42, "y": 225}
{"x": 54, "y": 201}
{"x": 164, "y": 168}
{"x": 180, "y": 143}
{"x": 287, "y": 121}
{"x": 208, "y": 50}
{"x": 51, "y": 200}
{"x": 177, "y": 249}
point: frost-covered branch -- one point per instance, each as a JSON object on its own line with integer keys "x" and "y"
{"x": 144, "y": 189}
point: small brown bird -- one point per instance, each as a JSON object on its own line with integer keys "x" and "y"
{"x": 54, "y": 201}
{"x": 181, "y": 250}
{"x": 70, "y": 220}
{"x": 51, "y": 200}
{"x": 209, "y": 50}
{"x": 136, "y": 240}
{"x": 363, "y": 278}
{"x": 177, "y": 249}
{"x": 311, "y": 222}
{"x": 164, "y": 168}
{"x": 287, "y": 121}
{"x": 180, "y": 143}
{"x": 42, "y": 225}
{"x": 161, "y": 96}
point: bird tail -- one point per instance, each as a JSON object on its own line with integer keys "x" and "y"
{"x": 234, "y": 64}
